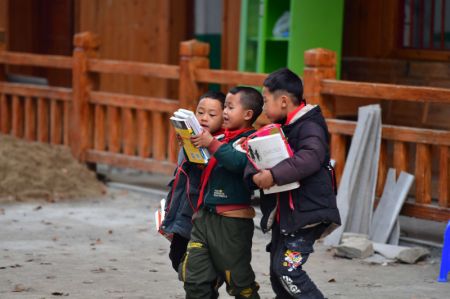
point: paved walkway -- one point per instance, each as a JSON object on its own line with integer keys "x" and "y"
{"x": 107, "y": 248}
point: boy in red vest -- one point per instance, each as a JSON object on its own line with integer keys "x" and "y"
{"x": 221, "y": 238}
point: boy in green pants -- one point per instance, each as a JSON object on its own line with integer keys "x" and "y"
{"x": 221, "y": 238}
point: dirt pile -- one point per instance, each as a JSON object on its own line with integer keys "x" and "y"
{"x": 31, "y": 170}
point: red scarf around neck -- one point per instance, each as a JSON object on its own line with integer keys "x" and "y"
{"x": 291, "y": 115}
{"x": 229, "y": 135}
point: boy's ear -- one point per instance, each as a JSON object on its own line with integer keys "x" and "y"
{"x": 284, "y": 100}
{"x": 248, "y": 114}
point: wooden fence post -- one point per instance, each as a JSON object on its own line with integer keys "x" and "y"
{"x": 5, "y": 114}
{"x": 193, "y": 55}
{"x": 86, "y": 45}
{"x": 319, "y": 64}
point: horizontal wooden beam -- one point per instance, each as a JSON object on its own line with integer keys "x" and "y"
{"x": 125, "y": 161}
{"x": 51, "y": 61}
{"x": 385, "y": 91}
{"x": 429, "y": 212}
{"x": 28, "y": 90}
{"x": 134, "y": 102}
{"x": 229, "y": 77}
{"x": 134, "y": 68}
{"x": 396, "y": 133}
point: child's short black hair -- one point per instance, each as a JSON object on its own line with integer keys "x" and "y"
{"x": 250, "y": 99}
{"x": 285, "y": 80}
{"x": 215, "y": 95}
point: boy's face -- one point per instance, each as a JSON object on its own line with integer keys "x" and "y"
{"x": 235, "y": 116}
{"x": 274, "y": 105}
{"x": 209, "y": 113}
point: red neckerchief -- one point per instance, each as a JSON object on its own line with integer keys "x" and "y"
{"x": 219, "y": 132}
{"x": 229, "y": 135}
{"x": 291, "y": 115}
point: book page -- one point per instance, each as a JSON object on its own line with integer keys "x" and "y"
{"x": 268, "y": 151}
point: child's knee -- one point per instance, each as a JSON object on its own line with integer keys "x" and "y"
{"x": 196, "y": 266}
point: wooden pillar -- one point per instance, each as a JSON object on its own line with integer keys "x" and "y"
{"x": 338, "y": 154}
{"x": 5, "y": 115}
{"x": 444, "y": 176}
{"x": 319, "y": 64}
{"x": 423, "y": 173}
{"x": 86, "y": 45}
{"x": 193, "y": 55}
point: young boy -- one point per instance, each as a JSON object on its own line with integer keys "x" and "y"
{"x": 221, "y": 238}
{"x": 298, "y": 217}
{"x": 184, "y": 188}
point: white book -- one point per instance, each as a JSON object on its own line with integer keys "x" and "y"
{"x": 190, "y": 116}
{"x": 268, "y": 151}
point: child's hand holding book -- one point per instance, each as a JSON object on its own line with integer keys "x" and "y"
{"x": 179, "y": 140}
{"x": 263, "y": 179}
{"x": 203, "y": 139}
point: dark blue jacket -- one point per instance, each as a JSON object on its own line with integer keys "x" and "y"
{"x": 181, "y": 201}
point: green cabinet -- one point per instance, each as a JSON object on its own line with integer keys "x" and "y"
{"x": 312, "y": 24}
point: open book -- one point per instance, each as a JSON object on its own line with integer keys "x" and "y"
{"x": 186, "y": 125}
{"x": 266, "y": 152}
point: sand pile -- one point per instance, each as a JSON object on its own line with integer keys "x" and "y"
{"x": 30, "y": 170}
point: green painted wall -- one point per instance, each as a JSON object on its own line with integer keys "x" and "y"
{"x": 313, "y": 24}
{"x": 317, "y": 23}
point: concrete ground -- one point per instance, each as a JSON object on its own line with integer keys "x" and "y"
{"x": 108, "y": 248}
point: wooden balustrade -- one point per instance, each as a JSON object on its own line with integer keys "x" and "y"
{"x": 28, "y": 59}
{"x": 229, "y": 77}
{"x": 400, "y": 137}
{"x": 133, "y": 131}
{"x": 156, "y": 70}
{"x": 35, "y": 113}
{"x": 384, "y": 91}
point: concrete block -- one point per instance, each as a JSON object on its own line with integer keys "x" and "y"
{"x": 378, "y": 259}
{"x": 412, "y": 255}
{"x": 355, "y": 247}
{"x": 403, "y": 254}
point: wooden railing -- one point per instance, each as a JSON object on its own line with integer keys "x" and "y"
{"x": 398, "y": 143}
{"x": 120, "y": 129}
{"x": 100, "y": 127}
{"x": 133, "y": 131}
{"x": 36, "y": 113}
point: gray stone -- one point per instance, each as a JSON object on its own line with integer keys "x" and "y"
{"x": 355, "y": 248}
{"x": 403, "y": 254}
{"x": 412, "y": 255}
{"x": 378, "y": 259}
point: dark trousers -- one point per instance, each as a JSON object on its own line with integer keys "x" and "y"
{"x": 287, "y": 255}
{"x": 178, "y": 248}
{"x": 219, "y": 246}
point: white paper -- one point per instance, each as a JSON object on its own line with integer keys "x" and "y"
{"x": 268, "y": 151}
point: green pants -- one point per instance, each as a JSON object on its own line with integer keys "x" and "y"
{"x": 219, "y": 247}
